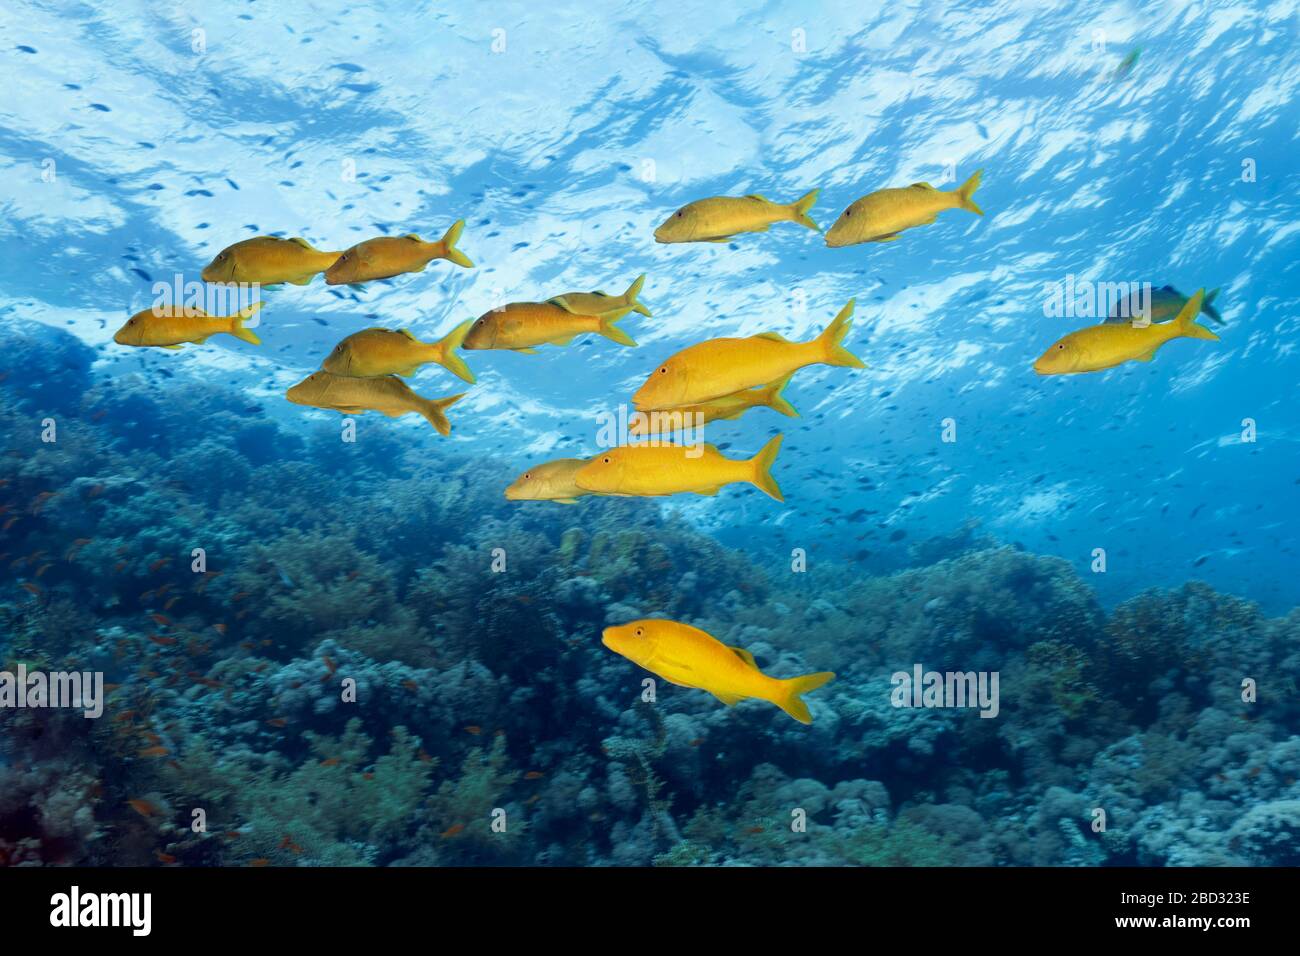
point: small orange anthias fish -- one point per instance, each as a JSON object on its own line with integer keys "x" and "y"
{"x": 389, "y": 256}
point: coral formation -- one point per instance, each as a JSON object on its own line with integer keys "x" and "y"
{"x": 344, "y": 677}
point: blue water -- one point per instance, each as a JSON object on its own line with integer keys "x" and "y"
{"x": 136, "y": 143}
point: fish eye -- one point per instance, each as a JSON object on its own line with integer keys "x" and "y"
{"x": 528, "y": 474}
{"x": 664, "y": 370}
{"x": 640, "y": 632}
{"x": 679, "y": 214}
{"x": 605, "y": 459}
{"x": 847, "y": 213}
{"x": 1062, "y": 346}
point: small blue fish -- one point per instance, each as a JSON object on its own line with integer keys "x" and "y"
{"x": 1166, "y": 302}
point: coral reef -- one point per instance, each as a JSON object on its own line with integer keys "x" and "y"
{"x": 330, "y": 655}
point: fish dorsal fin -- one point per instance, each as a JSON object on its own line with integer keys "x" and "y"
{"x": 411, "y": 235}
{"x": 561, "y": 302}
{"x": 757, "y": 196}
{"x": 923, "y": 186}
{"x": 408, "y": 333}
{"x": 300, "y": 241}
{"x": 772, "y": 336}
{"x": 745, "y": 656}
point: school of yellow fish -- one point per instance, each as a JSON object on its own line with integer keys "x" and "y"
{"x": 715, "y": 380}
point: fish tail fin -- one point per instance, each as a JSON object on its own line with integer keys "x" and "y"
{"x": 630, "y": 296}
{"x": 799, "y": 210}
{"x": 237, "y": 324}
{"x": 608, "y": 329}
{"x": 1186, "y": 324}
{"x": 967, "y": 190}
{"x": 788, "y": 695}
{"x": 774, "y": 400}
{"x": 435, "y": 412}
{"x": 449, "y": 240}
{"x": 1209, "y": 309}
{"x": 762, "y": 474}
{"x": 447, "y": 347}
{"x": 834, "y": 353}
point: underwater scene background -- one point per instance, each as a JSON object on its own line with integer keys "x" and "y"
{"x": 944, "y": 507}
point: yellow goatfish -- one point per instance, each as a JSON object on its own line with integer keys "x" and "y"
{"x": 598, "y": 303}
{"x": 385, "y": 393}
{"x": 169, "y": 327}
{"x": 373, "y": 352}
{"x": 1104, "y": 346}
{"x": 719, "y": 218}
{"x": 552, "y": 481}
{"x": 688, "y": 657}
{"x": 669, "y": 420}
{"x": 882, "y": 215}
{"x": 719, "y": 367}
{"x": 390, "y": 256}
{"x": 520, "y": 326}
{"x": 267, "y": 260}
{"x": 668, "y": 469}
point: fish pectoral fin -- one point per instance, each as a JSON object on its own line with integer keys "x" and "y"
{"x": 745, "y": 656}
{"x": 731, "y": 700}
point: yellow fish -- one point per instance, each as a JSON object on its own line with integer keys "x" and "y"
{"x": 1104, "y": 346}
{"x": 168, "y": 327}
{"x": 552, "y": 481}
{"x": 667, "y": 469}
{"x": 373, "y": 352}
{"x": 390, "y": 256}
{"x": 882, "y": 215}
{"x": 688, "y": 657}
{"x": 669, "y": 420}
{"x": 385, "y": 393}
{"x": 719, "y": 367}
{"x": 520, "y": 326}
{"x": 598, "y": 303}
{"x": 269, "y": 261}
{"x": 719, "y": 218}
